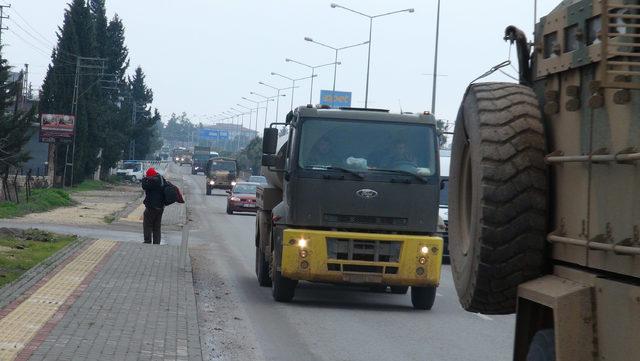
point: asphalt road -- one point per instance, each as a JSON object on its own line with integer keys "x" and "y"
{"x": 240, "y": 321}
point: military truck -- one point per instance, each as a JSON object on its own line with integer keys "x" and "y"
{"x": 201, "y": 155}
{"x": 220, "y": 173}
{"x": 545, "y": 187}
{"x": 352, "y": 198}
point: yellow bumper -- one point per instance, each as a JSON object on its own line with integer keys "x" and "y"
{"x": 313, "y": 263}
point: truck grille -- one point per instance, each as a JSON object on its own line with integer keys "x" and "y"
{"x": 363, "y": 250}
{"x": 342, "y": 218}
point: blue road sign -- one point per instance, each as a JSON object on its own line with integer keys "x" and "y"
{"x": 335, "y": 99}
{"x": 213, "y": 134}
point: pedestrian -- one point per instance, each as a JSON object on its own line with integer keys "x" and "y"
{"x": 153, "y": 185}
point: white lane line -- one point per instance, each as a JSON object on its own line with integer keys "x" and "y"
{"x": 439, "y": 294}
{"x": 484, "y": 317}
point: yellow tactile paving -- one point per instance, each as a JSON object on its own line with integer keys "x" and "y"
{"x": 21, "y": 324}
{"x": 136, "y": 215}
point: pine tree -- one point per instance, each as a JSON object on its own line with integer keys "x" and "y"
{"x": 145, "y": 123}
{"x": 15, "y": 127}
{"x": 76, "y": 38}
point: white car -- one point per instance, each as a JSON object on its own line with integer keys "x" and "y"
{"x": 133, "y": 171}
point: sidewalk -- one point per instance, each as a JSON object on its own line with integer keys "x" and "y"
{"x": 107, "y": 301}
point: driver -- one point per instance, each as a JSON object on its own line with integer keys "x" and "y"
{"x": 400, "y": 155}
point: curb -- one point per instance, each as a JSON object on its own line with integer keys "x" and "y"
{"x": 14, "y": 290}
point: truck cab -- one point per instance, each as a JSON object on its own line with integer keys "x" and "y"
{"x": 220, "y": 173}
{"x": 352, "y": 198}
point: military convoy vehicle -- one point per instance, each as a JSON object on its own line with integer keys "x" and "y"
{"x": 221, "y": 173}
{"x": 544, "y": 198}
{"x": 352, "y": 198}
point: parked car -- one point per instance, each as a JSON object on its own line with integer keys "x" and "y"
{"x": 260, "y": 179}
{"x": 242, "y": 198}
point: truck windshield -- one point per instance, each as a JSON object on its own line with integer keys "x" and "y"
{"x": 223, "y": 165}
{"x": 367, "y": 146}
{"x": 201, "y": 157}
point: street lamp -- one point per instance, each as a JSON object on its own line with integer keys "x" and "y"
{"x": 257, "y": 103}
{"x": 240, "y": 125}
{"x": 278, "y": 96}
{"x": 293, "y": 83}
{"x": 267, "y": 99}
{"x": 335, "y": 67}
{"x": 371, "y": 17}
{"x": 313, "y": 70}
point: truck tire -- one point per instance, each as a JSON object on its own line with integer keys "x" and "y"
{"x": 423, "y": 298}
{"x": 498, "y": 198}
{"x": 282, "y": 288}
{"x": 229, "y": 211}
{"x": 262, "y": 269}
{"x": 208, "y": 191}
{"x": 543, "y": 346}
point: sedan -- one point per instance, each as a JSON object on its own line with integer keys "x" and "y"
{"x": 242, "y": 198}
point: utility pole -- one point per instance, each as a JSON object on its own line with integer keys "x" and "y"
{"x": 132, "y": 143}
{"x": 435, "y": 64}
{"x": 2, "y": 17}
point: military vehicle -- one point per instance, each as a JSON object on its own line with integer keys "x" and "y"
{"x": 544, "y": 213}
{"x": 220, "y": 173}
{"x": 201, "y": 155}
{"x": 352, "y": 198}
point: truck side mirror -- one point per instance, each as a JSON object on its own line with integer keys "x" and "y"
{"x": 270, "y": 141}
{"x": 269, "y": 160}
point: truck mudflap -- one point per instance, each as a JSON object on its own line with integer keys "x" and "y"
{"x": 361, "y": 258}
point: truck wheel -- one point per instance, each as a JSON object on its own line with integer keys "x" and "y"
{"x": 543, "y": 346}
{"x": 229, "y": 211}
{"x": 399, "y": 290}
{"x": 498, "y": 197}
{"x": 208, "y": 191}
{"x": 282, "y": 288}
{"x": 423, "y": 298}
{"x": 262, "y": 269}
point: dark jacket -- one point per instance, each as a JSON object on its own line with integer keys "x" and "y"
{"x": 154, "y": 191}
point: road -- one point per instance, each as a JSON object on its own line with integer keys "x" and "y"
{"x": 240, "y": 321}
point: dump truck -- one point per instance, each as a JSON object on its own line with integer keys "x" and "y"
{"x": 544, "y": 216}
{"x": 201, "y": 155}
{"x": 352, "y": 198}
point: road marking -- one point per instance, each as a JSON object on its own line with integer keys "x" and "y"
{"x": 21, "y": 324}
{"x": 439, "y": 294}
{"x": 484, "y": 317}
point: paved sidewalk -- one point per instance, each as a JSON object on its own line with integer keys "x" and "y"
{"x": 130, "y": 302}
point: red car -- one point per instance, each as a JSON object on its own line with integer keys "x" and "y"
{"x": 242, "y": 198}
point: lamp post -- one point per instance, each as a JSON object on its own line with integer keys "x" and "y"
{"x": 257, "y": 103}
{"x": 335, "y": 66}
{"x": 278, "y": 90}
{"x": 370, "y": 17}
{"x": 313, "y": 70}
{"x": 267, "y": 100}
{"x": 240, "y": 125}
{"x": 293, "y": 83}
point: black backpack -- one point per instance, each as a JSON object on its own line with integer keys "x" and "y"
{"x": 170, "y": 193}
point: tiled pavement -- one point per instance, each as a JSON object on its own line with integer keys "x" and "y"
{"x": 138, "y": 306}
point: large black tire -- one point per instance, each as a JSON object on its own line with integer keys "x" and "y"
{"x": 543, "y": 346}
{"x": 498, "y": 196}
{"x": 229, "y": 211}
{"x": 262, "y": 269}
{"x": 423, "y": 298}
{"x": 208, "y": 191}
{"x": 282, "y": 288}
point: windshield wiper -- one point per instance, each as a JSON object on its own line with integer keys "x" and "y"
{"x": 403, "y": 172}
{"x": 330, "y": 167}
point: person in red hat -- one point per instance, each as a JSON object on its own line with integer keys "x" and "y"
{"x": 153, "y": 184}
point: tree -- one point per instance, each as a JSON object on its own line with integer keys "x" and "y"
{"x": 442, "y": 127}
{"x": 76, "y": 38}
{"x": 15, "y": 127}
{"x": 144, "y": 128}
{"x": 250, "y": 158}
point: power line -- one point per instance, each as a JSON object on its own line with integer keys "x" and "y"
{"x": 47, "y": 44}
{"x": 29, "y": 25}
{"x": 2, "y": 17}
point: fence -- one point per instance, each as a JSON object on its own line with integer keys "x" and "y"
{"x": 17, "y": 183}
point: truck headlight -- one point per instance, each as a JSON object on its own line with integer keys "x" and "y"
{"x": 235, "y": 199}
{"x": 424, "y": 249}
{"x": 233, "y": 184}
{"x": 302, "y": 243}
{"x": 212, "y": 183}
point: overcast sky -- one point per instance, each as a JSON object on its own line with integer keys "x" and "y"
{"x": 202, "y": 56}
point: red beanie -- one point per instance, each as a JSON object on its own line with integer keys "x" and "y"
{"x": 151, "y": 172}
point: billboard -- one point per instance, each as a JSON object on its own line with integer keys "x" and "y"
{"x": 56, "y": 128}
{"x": 335, "y": 99}
{"x": 213, "y": 134}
